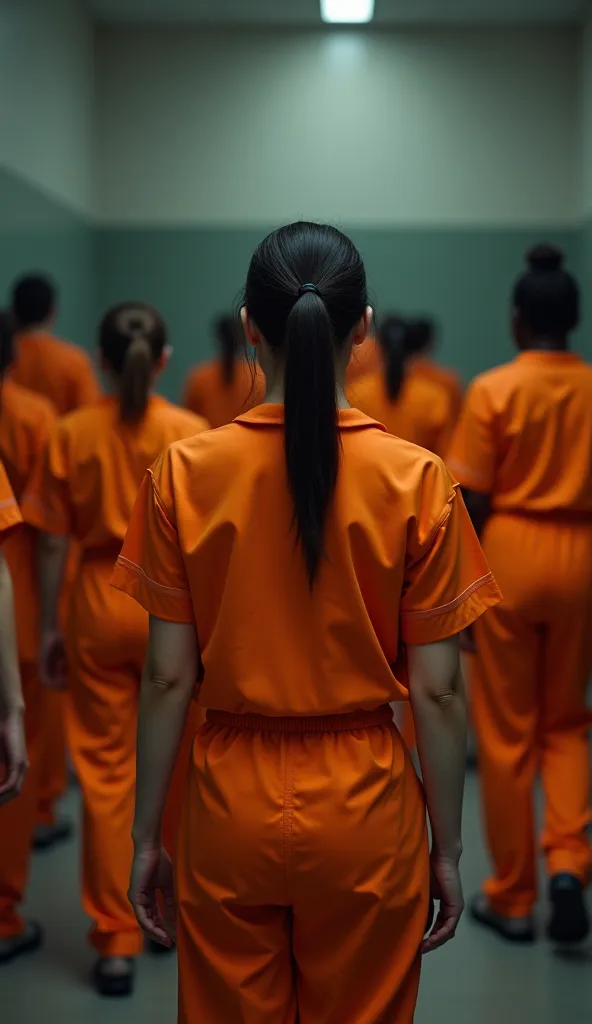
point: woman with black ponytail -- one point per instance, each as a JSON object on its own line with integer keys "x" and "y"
{"x": 85, "y": 490}
{"x": 523, "y": 454}
{"x": 408, "y": 404}
{"x": 286, "y": 561}
{"x": 227, "y": 386}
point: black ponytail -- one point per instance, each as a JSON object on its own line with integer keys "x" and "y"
{"x": 310, "y": 434}
{"x": 135, "y": 380}
{"x": 393, "y": 336}
{"x": 227, "y": 336}
{"x": 306, "y": 291}
{"x": 132, "y": 338}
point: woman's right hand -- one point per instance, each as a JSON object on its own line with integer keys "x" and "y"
{"x": 446, "y": 888}
{"x": 53, "y": 668}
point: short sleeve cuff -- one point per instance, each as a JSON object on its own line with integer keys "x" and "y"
{"x": 469, "y": 478}
{"x": 166, "y": 603}
{"x": 428, "y": 626}
{"x": 39, "y": 516}
{"x": 10, "y": 517}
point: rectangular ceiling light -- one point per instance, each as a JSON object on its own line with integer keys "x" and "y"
{"x": 347, "y": 12}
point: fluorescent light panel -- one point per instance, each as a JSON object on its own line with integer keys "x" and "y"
{"x": 351, "y": 12}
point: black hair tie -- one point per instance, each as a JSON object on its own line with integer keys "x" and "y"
{"x": 304, "y": 288}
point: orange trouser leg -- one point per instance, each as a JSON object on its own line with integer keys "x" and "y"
{"x": 303, "y": 878}
{"x": 503, "y": 678}
{"x": 17, "y": 818}
{"x": 564, "y": 735}
{"x": 53, "y": 778}
{"x": 102, "y": 721}
{"x": 528, "y": 697}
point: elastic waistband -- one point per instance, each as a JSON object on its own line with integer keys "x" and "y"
{"x": 311, "y": 723}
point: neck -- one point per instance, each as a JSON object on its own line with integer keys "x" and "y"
{"x": 35, "y": 329}
{"x": 548, "y": 344}
{"x": 274, "y": 395}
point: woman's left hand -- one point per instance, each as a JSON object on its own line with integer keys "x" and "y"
{"x": 152, "y": 873}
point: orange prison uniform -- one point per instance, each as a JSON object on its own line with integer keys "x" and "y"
{"x": 207, "y": 394}
{"x": 365, "y": 358}
{"x": 525, "y": 438}
{"x": 93, "y": 469}
{"x": 26, "y": 421}
{"x": 421, "y": 412}
{"x": 427, "y": 369}
{"x": 10, "y": 516}
{"x": 64, "y": 373}
{"x": 302, "y": 863}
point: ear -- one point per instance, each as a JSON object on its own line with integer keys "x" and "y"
{"x": 252, "y": 332}
{"x": 364, "y": 326}
{"x": 165, "y": 358}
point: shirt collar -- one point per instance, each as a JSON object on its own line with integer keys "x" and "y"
{"x": 271, "y": 415}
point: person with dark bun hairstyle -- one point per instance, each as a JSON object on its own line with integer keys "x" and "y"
{"x": 409, "y": 405}
{"x": 26, "y": 421}
{"x": 284, "y": 560}
{"x": 228, "y": 386}
{"x": 85, "y": 489}
{"x": 523, "y": 455}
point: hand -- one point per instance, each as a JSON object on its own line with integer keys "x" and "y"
{"x": 446, "y": 887}
{"x": 13, "y": 754}
{"x": 152, "y": 872}
{"x": 53, "y": 666}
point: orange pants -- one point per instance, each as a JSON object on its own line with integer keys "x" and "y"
{"x": 53, "y": 777}
{"x": 302, "y": 873}
{"x": 528, "y": 695}
{"x": 18, "y": 818}
{"x": 106, "y": 647}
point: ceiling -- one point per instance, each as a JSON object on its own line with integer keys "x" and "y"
{"x": 306, "y": 12}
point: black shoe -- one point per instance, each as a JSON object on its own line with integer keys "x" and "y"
{"x": 47, "y": 836}
{"x": 513, "y": 929}
{"x": 570, "y": 921}
{"x": 157, "y": 948}
{"x": 16, "y": 945}
{"x": 108, "y": 984}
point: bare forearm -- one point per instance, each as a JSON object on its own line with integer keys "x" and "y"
{"x": 53, "y": 555}
{"x": 441, "y": 730}
{"x": 163, "y": 712}
{"x": 11, "y": 694}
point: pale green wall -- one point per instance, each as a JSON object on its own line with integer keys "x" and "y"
{"x": 463, "y": 277}
{"x": 39, "y": 233}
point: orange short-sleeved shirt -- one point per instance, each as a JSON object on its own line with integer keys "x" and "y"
{"x": 365, "y": 358}
{"x": 446, "y": 378}
{"x": 56, "y": 369}
{"x": 93, "y": 467}
{"x": 26, "y": 421}
{"x": 421, "y": 413}
{"x": 525, "y": 435}
{"x": 207, "y": 394}
{"x": 10, "y": 516}
{"x": 211, "y": 542}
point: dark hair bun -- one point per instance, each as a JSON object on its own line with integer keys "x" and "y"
{"x": 545, "y": 257}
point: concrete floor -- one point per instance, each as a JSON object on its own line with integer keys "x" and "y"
{"x": 477, "y": 979}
